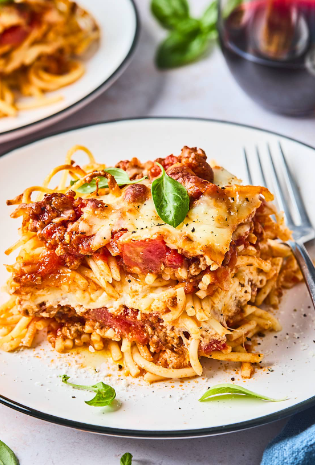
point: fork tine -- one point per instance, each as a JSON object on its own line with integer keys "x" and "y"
{"x": 280, "y": 197}
{"x": 266, "y": 183}
{"x": 261, "y": 168}
{"x": 293, "y": 191}
{"x": 250, "y": 180}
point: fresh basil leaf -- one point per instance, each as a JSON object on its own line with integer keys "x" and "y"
{"x": 170, "y": 198}
{"x": 120, "y": 176}
{"x": 170, "y": 12}
{"x": 90, "y": 187}
{"x": 64, "y": 379}
{"x": 7, "y": 456}
{"x": 209, "y": 18}
{"x": 189, "y": 27}
{"x": 178, "y": 49}
{"x": 126, "y": 459}
{"x": 105, "y": 394}
{"x": 214, "y": 393}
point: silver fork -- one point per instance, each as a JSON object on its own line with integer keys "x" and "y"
{"x": 301, "y": 227}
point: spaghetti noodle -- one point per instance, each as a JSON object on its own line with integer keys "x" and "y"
{"x": 102, "y": 269}
{"x": 39, "y": 41}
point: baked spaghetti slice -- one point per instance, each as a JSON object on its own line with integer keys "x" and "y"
{"x": 98, "y": 266}
{"x": 40, "y": 41}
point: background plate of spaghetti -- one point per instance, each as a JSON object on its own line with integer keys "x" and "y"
{"x": 56, "y": 56}
{"x": 102, "y": 289}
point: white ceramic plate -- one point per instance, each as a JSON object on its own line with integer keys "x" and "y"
{"x": 119, "y": 25}
{"x": 29, "y": 378}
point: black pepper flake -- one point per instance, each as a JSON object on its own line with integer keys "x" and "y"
{"x": 129, "y": 280}
{"x": 304, "y": 315}
{"x": 73, "y": 397}
{"x": 261, "y": 334}
{"x": 193, "y": 230}
{"x": 232, "y": 379}
{"x": 276, "y": 337}
{"x": 247, "y": 199}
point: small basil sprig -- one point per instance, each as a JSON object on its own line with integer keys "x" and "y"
{"x": 126, "y": 459}
{"x": 105, "y": 394}
{"x": 7, "y": 456}
{"x": 189, "y": 38}
{"x": 227, "y": 388}
{"x": 170, "y": 199}
{"x": 170, "y": 12}
{"x": 178, "y": 51}
{"x": 120, "y": 176}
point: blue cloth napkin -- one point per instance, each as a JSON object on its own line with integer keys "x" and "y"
{"x": 295, "y": 445}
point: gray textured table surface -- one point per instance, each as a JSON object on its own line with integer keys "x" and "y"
{"x": 204, "y": 89}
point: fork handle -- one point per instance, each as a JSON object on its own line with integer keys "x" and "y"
{"x": 306, "y": 265}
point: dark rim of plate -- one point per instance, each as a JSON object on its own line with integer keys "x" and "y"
{"x": 111, "y": 79}
{"x": 177, "y": 434}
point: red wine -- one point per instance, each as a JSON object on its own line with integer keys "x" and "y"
{"x": 269, "y": 46}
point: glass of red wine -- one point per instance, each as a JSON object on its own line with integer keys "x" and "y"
{"x": 269, "y": 46}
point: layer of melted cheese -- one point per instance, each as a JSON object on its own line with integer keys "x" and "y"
{"x": 206, "y": 231}
{"x": 134, "y": 294}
